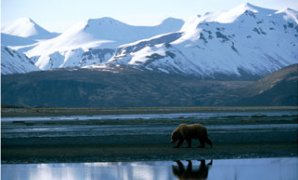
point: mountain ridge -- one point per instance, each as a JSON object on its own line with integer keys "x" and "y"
{"x": 102, "y": 33}
{"x": 207, "y": 47}
{"x": 19, "y": 62}
{"x": 127, "y": 87}
{"x": 27, "y": 28}
{"x": 245, "y": 41}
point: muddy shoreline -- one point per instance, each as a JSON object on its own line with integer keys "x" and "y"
{"x": 58, "y": 140}
{"x": 146, "y": 147}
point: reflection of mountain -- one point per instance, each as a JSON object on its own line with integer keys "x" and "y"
{"x": 190, "y": 172}
{"x": 98, "y": 171}
{"x": 271, "y": 168}
{"x": 260, "y": 168}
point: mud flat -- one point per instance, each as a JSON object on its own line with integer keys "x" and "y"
{"x": 60, "y": 139}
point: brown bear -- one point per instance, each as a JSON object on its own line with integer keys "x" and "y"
{"x": 189, "y": 132}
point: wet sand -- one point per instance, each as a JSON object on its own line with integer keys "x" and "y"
{"x": 143, "y": 153}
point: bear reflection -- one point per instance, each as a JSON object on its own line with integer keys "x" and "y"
{"x": 191, "y": 173}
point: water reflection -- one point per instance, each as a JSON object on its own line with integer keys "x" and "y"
{"x": 240, "y": 169}
{"x": 190, "y": 172}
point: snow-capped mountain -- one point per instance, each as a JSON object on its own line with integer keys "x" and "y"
{"x": 13, "y": 62}
{"x": 93, "y": 41}
{"x": 27, "y": 28}
{"x": 11, "y": 40}
{"x": 246, "y": 40}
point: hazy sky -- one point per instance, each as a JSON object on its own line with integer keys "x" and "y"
{"x": 58, "y": 15}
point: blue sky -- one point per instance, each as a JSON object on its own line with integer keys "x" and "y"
{"x": 58, "y": 15}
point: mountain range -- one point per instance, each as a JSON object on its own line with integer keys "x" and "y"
{"x": 247, "y": 55}
{"x": 246, "y": 42}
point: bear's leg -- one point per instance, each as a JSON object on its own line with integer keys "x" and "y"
{"x": 208, "y": 141}
{"x": 202, "y": 143}
{"x": 188, "y": 142}
{"x": 179, "y": 143}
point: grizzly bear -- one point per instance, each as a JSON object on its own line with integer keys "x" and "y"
{"x": 189, "y": 132}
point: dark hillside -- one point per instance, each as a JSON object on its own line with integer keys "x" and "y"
{"x": 136, "y": 88}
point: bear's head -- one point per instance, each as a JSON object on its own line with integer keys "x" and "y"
{"x": 175, "y": 136}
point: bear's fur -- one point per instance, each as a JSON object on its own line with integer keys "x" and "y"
{"x": 189, "y": 132}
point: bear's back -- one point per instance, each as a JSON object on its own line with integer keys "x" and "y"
{"x": 192, "y": 129}
{"x": 196, "y": 126}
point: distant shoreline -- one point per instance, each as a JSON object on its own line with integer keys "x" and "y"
{"x": 33, "y": 112}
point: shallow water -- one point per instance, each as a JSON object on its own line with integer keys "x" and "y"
{"x": 240, "y": 169}
{"x": 16, "y": 127}
{"x": 199, "y": 115}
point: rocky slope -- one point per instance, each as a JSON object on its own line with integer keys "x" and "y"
{"x": 14, "y": 62}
